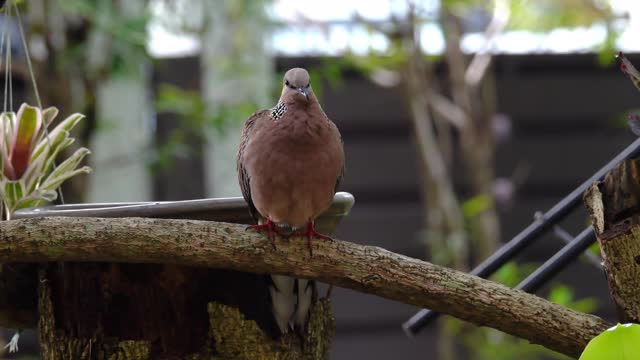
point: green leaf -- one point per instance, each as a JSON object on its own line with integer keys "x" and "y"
{"x": 621, "y": 342}
{"x": 12, "y": 192}
{"x": 607, "y": 49}
{"x": 67, "y": 169}
{"x": 476, "y": 205}
{"x": 69, "y": 123}
{"x": 57, "y": 140}
{"x": 54, "y": 183}
{"x": 36, "y": 198}
{"x": 513, "y": 273}
{"x": 508, "y": 274}
{"x": 29, "y": 120}
{"x": 33, "y": 172}
{"x": 595, "y": 249}
{"x": 561, "y": 295}
{"x": 586, "y": 305}
{"x": 564, "y": 295}
{"x": 45, "y": 146}
{"x": 48, "y": 115}
{"x": 51, "y": 157}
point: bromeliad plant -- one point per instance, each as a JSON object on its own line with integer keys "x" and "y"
{"x": 28, "y": 152}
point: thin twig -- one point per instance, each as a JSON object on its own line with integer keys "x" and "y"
{"x": 482, "y": 59}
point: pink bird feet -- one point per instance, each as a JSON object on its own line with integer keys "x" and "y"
{"x": 310, "y": 232}
{"x": 271, "y": 229}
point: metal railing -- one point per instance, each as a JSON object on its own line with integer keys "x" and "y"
{"x": 526, "y": 237}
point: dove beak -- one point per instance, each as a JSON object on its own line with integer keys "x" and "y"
{"x": 304, "y": 91}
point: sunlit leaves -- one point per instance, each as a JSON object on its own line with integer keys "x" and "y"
{"x": 476, "y": 205}
{"x": 192, "y": 109}
{"x": 512, "y": 273}
{"x": 563, "y": 295}
{"x": 621, "y": 342}
{"x": 126, "y": 30}
{"x": 195, "y": 120}
{"x": 130, "y": 28}
{"x": 546, "y": 15}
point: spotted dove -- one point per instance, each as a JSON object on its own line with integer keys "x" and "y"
{"x": 290, "y": 162}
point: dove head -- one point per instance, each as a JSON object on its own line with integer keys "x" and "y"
{"x": 296, "y": 86}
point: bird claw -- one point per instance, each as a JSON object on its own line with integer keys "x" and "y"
{"x": 271, "y": 229}
{"x": 310, "y": 232}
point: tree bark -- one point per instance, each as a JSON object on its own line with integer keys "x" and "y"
{"x": 614, "y": 204}
{"x": 142, "y": 319}
{"x": 363, "y": 268}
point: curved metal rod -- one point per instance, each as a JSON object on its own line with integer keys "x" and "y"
{"x": 233, "y": 209}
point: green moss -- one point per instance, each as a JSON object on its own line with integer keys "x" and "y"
{"x": 129, "y": 349}
{"x": 321, "y": 329}
{"x": 238, "y": 338}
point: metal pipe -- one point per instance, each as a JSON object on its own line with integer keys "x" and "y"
{"x": 510, "y": 249}
{"x": 558, "y": 262}
{"x": 593, "y": 259}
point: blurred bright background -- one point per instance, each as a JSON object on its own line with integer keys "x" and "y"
{"x": 461, "y": 120}
{"x": 331, "y": 28}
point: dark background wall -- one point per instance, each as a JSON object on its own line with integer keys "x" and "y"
{"x": 567, "y": 121}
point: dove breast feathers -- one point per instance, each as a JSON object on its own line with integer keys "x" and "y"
{"x": 293, "y": 164}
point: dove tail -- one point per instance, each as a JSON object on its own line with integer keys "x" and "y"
{"x": 291, "y": 301}
{"x": 283, "y": 300}
{"x": 306, "y": 295}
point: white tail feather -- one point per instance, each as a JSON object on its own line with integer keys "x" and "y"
{"x": 283, "y": 300}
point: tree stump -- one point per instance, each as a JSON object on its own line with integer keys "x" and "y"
{"x": 136, "y": 311}
{"x": 125, "y": 311}
{"x": 614, "y": 206}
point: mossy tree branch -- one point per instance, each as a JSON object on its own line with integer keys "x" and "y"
{"x": 364, "y": 268}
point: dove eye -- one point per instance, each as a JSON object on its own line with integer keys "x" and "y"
{"x": 286, "y": 82}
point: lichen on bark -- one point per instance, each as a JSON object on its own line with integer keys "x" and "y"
{"x": 238, "y": 338}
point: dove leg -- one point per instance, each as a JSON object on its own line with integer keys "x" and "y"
{"x": 310, "y": 232}
{"x": 271, "y": 229}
